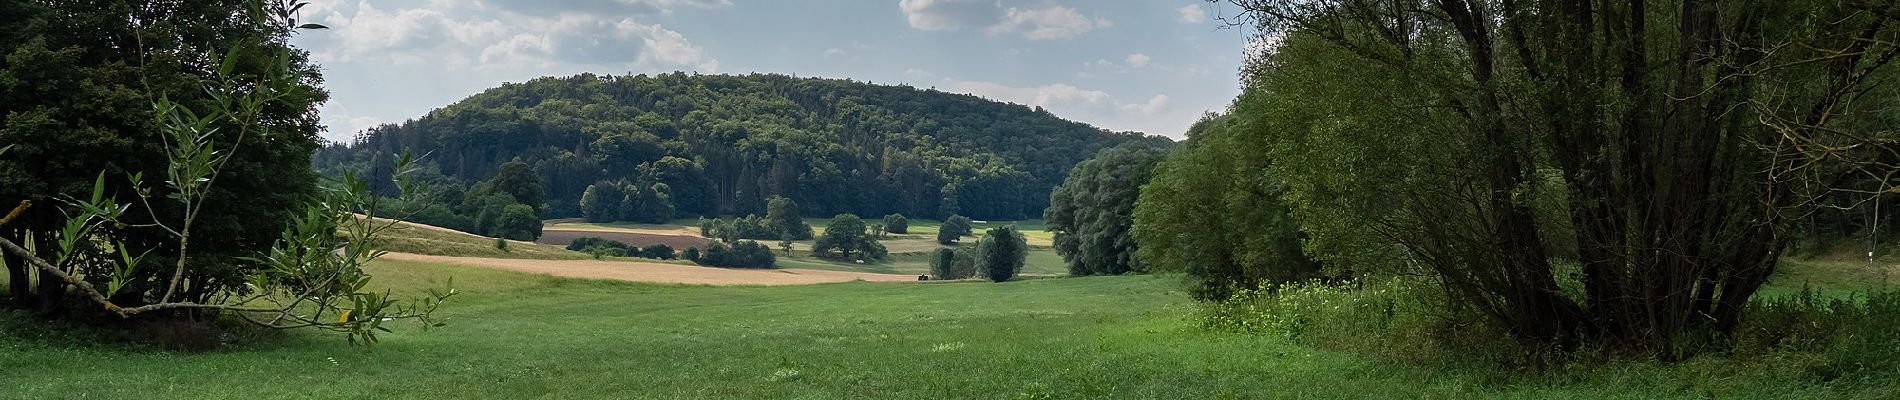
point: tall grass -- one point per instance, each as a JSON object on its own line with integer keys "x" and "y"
{"x": 1825, "y": 338}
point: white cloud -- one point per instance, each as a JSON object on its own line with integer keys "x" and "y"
{"x": 1058, "y": 95}
{"x": 1154, "y": 105}
{"x": 1054, "y": 22}
{"x": 947, "y": 15}
{"x": 401, "y": 36}
{"x": 452, "y": 34}
{"x": 541, "y": 8}
{"x": 590, "y": 41}
{"x": 1157, "y": 114}
{"x": 1137, "y": 60}
{"x": 664, "y": 48}
{"x": 344, "y": 124}
{"x": 1192, "y": 14}
{"x": 1042, "y": 96}
{"x": 833, "y": 52}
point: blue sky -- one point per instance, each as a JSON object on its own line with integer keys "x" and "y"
{"x": 1152, "y": 66}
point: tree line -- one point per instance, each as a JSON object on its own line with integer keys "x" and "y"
{"x": 725, "y": 144}
{"x": 1619, "y": 176}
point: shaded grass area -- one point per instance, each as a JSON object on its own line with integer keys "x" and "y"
{"x": 529, "y": 336}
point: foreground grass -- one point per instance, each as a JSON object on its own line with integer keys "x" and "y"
{"x": 528, "y": 336}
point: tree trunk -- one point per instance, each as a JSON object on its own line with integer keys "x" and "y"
{"x": 18, "y": 293}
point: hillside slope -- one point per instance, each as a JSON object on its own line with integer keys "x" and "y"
{"x": 723, "y": 143}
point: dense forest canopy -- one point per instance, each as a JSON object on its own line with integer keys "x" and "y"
{"x": 77, "y": 88}
{"x": 723, "y": 144}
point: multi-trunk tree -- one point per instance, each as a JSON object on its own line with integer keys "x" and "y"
{"x": 1676, "y": 142}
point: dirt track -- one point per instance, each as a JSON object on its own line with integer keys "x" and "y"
{"x": 658, "y": 272}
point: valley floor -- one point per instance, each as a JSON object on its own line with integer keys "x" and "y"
{"x": 515, "y": 335}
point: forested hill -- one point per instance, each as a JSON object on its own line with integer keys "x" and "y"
{"x": 724, "y": 143}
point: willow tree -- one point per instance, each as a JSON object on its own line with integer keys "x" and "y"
{"x": 1682, "y": 138}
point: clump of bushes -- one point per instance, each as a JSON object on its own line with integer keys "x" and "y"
{"x": 1855, "y": 335}
{"x": 610, "y": 248}
{"x": 846, "y": 238}
{"x": 741, "y": 254}
{"x": 781, "y": 221}
{"x": 953, "y": 229}
{"x": 952, "y": 264}
{"x": 658, "y": 251}
{"x": 896, "y": 223}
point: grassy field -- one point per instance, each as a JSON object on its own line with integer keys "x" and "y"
{"x": 528, "y": 336}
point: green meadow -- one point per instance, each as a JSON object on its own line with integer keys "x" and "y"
{"x": 514, "y": 335}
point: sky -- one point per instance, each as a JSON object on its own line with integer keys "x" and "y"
{"x": 1152, "y": 66}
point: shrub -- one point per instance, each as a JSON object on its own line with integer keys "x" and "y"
{"x": 741, "y": 254}
{"x": 583, "y": 243}
{"x": 958, "y": 225}
{"x": 951, "y": 264}
{"x": 1398, "y": 319}
{"x": 1000, "y": 253}
{"x": 945, "y": 236}
{"x": 1855, "y": 334}
{"x": 690, "y": 254}
{"x": 965, "y": 265}
{"x": 657, "y": 251}
{"x": 895, "y": 223}
{"x": 518, "y": 222}
{"x": 751, "y": 227}
{"x": 603, "y": 251}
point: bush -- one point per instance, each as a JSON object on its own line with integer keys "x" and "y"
{"x": 610, "y": 248}
{"x": 1398, "y": 319}
{"x": 584, "y": 242}
{"x": 741, "y": 254}
{"x": 951, "y": 264}
{"x": 751, "y": 227}
{"x": 658, "y": 251}
{"x": 895, "y": 223}
{"x": 958, "y": 225}
{"x": 439, "y": 216}
{"x": 1855, "y": 334}
{"x": 1000, "y": 253}
{"x": 946, "y": 237}
{"x": 601, "y": 251}
{"x": 690, "y": 254}
{"x": 518, "y": 222}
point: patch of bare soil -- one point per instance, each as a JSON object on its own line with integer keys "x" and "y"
{"x": 658, "y": 272}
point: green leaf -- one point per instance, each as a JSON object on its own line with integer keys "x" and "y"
{"x": 99, "y": 188}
